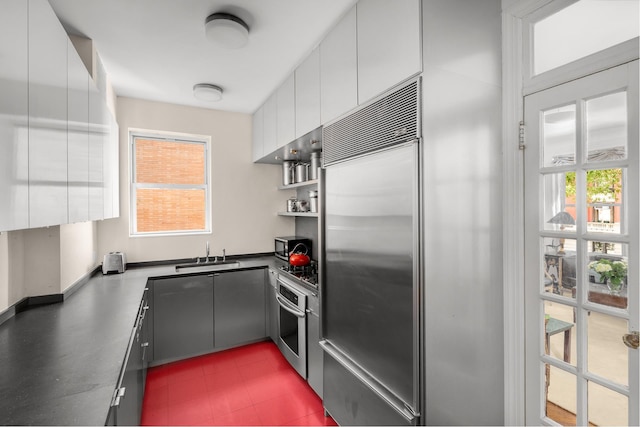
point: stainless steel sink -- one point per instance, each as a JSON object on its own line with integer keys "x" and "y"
{"x": 207, "y": 266}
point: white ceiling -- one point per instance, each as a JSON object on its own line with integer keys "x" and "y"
{"x": 157, "y": 50}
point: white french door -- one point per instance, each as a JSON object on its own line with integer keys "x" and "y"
{"x": 582, "y": 251}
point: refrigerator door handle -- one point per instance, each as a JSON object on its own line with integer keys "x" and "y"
{"x": 400, "y": 406}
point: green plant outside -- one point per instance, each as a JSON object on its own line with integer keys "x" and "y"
{"x": 599, "y": 182}
{"x": 614, "y": 271}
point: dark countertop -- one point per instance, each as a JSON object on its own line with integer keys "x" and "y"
{"x": 59, "y": 363}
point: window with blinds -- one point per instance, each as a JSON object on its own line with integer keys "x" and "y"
{"x": 169, "y": 184}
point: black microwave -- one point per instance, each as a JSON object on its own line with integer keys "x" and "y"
{"x": 284, "y": 246}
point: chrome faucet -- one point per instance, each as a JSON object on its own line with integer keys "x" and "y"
{"x": 207, "y": 251}
{"x": 224, "y": 255}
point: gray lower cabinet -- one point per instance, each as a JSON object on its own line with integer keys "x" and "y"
{"x": 239, "y": 307}
{"x": 272, "y": 305}
{"x": 315, "y": 355}
{"x": 182, "y": 316}
{"x": 126, "y": 405}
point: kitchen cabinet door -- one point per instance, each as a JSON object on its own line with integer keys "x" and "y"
{"x": 315, "y": 355}
{"x": 14, "y": 110}
{"x": 339, "y": 69}
{"x": 97, "y": 138}
{"x": 286, "y": 114}
{"x": 182, "y": 316}
{"x": 127, "y": 408}
{"x": 258, "y": 134}
{"x": 389, "y": 44}
{"x": 307, "y": 94}
{"x": 78, "y": 137}
{"x": 239, "y": 301}
{"x": 110, "y": 165}
{"x": 114, "y": 166}
{"x": 272, "y": 305}
{"x": 47, "y": 117}
{"x": 270, "y": 126}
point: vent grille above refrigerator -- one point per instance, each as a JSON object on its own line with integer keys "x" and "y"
{"x": 388, "y": 121}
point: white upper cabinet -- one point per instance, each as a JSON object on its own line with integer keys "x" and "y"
{"x": 97, "y": 139}
{"x": 47, "y": 117}
{"x": 374, "y": 47}
{"x": 110, "y": 165}
{"x": 339, "y": 69}
{"x": 258, "y": 134}
{"x": 389, "y": 44}
{"x": 270, "y": 125}
{"x": 78, "y": 137}
{"x": 286, "y": 112}
{"x": 307, "y": 94}
{"x": 58, "y": 140}
{"x": 14, "y": 96}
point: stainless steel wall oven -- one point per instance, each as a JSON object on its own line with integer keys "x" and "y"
{"x": 292, "y": 324}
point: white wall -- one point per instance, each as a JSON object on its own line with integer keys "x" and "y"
{"x": 78, "y": 252}
{"x": 244, "y": 195}
{"x": 463, "y": 212}
{"x": 33, "y": 261}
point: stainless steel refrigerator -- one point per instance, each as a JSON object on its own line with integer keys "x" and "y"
{"x": 371, "y": 311}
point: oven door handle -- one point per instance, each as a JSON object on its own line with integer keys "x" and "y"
{"x": 290, "y": 309}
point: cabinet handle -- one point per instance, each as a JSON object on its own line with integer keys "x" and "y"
{"x": 119, "y": 395}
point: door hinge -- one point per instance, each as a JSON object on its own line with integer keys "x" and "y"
{"x": 521, "y": 145}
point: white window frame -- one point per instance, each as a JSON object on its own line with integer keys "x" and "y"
{"x": 596, "y": 62}
{"x": 169, "y": 137}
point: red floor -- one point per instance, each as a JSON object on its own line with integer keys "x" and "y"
{"x": 250, "y": 385}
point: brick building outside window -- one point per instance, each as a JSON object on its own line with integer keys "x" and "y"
{"x": 169, "y": 184}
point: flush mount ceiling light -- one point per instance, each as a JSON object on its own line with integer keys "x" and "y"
{"x": 226, "y": 30}
{"x": 207, "y": 92}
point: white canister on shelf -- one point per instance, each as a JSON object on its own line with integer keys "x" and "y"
{"x": 313, "y": 201}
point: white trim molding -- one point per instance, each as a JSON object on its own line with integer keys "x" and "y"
{"x": 513, "y": 229}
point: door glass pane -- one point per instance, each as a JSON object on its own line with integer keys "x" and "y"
{"x": 607, "y": 273}
{"x": 559, "y": 266}
{"x": 581, "y": 29}
{"x": 289, "y": 330}
{"x": 605, "y": 200}
{"x": 607, "y": 407}
{"x": 560, "y": 331}
{"x": 559, "y": 136}
{"x": 559, "y": 202}
{"x": 607, "y": 127}
{"x": 607, "y": 357}
{"x": 561, "y": 396}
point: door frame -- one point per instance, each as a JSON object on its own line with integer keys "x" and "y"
{"x": 517, "y": 82}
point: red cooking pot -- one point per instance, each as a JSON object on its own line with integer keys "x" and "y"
{"x": 299, "y": 259}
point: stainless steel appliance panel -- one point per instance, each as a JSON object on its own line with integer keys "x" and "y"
{"x": 370, "y": 302}
{"x": 352, "y": 401}
{"x": 292, "y": 324}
